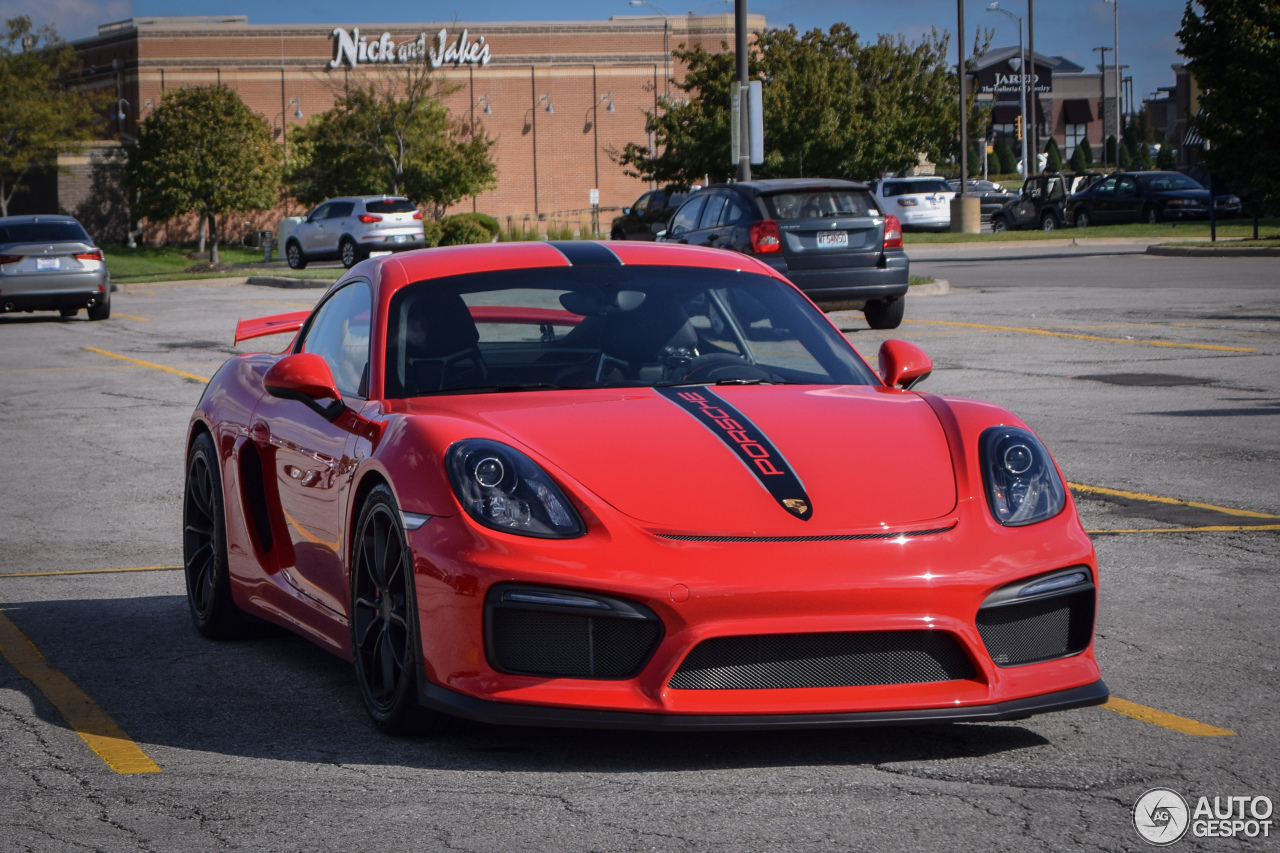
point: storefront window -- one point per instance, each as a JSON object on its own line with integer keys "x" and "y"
{"x": 1075, "y": 135}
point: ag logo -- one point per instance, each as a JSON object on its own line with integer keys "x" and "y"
{"x": 1161, "y": 816}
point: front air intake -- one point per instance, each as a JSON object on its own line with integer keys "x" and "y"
{"x": 563, "y": 633}
{"x": 858, "y": 659}
{"x": 1039, "y": 619}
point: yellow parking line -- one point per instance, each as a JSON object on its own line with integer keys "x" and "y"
{"x": 1164, "y": 719}
{"x": 1052, "y": 334}
{"x": 87, "y": 571}
{"x": 1212, "y": 529}
{"x": 131, "y": 317}
{"x": 84, "y": 716}
{"x": 1160, "y": 499}
{"x": 51, "y": 369}
{"x": 150, "y": 364}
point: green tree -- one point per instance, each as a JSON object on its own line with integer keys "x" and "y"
{"x": 42, "y": 117}
{"x": 1078, "y": 162}
{"x": 1110, "y": 149}
{"x": 203, "y": 151}
{"x": 1006, "y": 163}
{"x": 1166, "y": 160}
{"x": 834, "y": 106}
{"x": 1126, "y": 158}
{"x": 975, "y": 159}
{"x": 1233, "y": 49}
{"x": 1086, "y": 150}
{"x": 392, "y": 135}
{"x": 1142, "y": 161}
{"x": 1053, "y": 155}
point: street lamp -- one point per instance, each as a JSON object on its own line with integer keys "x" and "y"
{"x": 1103, "y": 53}
{"x": 1115, "y": 58}
{"x": 1022, "y": 83}
{"x": 550, "y": 109}
{"x": 296, "y": 102}
{"x": 657, "y": 9}
{"x": 607, "y": 98}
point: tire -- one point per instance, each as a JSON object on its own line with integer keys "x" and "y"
{"x": 1083, "y": 219}
{"x": 101, "y": 311}
{"x": 349, "y": 252}
{"x": 68, "y": 313}
{"x": 386, "y": 646}
{"x": 293, "y": 254}
{"x": 1152, "y": 215}
{"x": 885, "y": 313}
{"x": 204, "y": 547}
{"x": 998, "y": 225}
{"x": 1049, "y": 222}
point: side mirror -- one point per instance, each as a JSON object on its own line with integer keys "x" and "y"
{"x": 658, "y": 229}
{"x": 626, "y": 211}
{"x": 903, "y": 365}
{"x": 305, "y": 377}
{"x": 660, "y": 234}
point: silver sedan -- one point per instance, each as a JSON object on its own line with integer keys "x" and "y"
{"x": 49, "y": 263}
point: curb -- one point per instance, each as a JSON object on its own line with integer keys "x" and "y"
{"x": 288, "y": 282}
{"x": 1208, "y": 252}
{"x": 940, "y": 287}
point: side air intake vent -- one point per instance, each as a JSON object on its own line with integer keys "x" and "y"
{"x": 1040, "y": 618}
{"x": 823, "y": 660}
{"x": 563, "y": 633}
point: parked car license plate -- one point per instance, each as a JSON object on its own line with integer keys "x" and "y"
{"x": 400, "y": 238}
{"x": 833, "y": 239}
{"x": 46, "y": 263}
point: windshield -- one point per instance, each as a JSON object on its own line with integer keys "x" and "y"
{"x": 892, "y": 188}
{"x": 1162, "y": 181}
{"x": 609, "y": 327}
{"x": 391, "y": 205}
{"x": 815, "y": 204}
{"x": 43, "y": 232}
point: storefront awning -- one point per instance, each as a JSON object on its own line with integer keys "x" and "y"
{"x": 1077, "y": 111}
{"x": 1006, "y": 113}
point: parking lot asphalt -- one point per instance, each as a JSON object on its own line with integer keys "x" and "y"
{"x": 1154, "y": 382}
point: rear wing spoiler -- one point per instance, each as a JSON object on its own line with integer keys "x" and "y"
{"x": 276, "y": 324}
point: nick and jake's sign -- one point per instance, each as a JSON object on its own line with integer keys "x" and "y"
{"x": 355, "y": 49}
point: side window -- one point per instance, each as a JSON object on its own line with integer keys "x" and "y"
{"x": 733, "y": 211}
{"x": 340, "y": 335}
{"x": 657, "y": 201}
{"x": 711, "y": 211}
{"x": 1107, "y": 186}
{"x": 686, "y": 218}
{"x": 339, "y": 209}
{"x": 1126, "y": 186}
{"x": 641, "y": 205}
{"x": 320, "y": 212}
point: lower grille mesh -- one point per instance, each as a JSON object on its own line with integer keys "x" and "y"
{"x": 770, "y": 661}
{"x": 532, "y": 642}
{"x": 1038, "y": 630}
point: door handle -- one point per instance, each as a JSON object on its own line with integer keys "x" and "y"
{"x": 260, "y": 433}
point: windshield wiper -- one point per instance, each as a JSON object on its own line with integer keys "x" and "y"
{"x": 723, "y": 382}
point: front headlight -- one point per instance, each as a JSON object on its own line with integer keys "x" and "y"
{"x": 502, "y": 488}
{"x": 1023, "y": 485}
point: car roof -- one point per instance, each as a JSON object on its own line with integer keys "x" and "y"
{"x": 365, "y": 198}
{"x": 773, "y": 185}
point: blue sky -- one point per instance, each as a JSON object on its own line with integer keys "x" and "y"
{"x": 1071, "y": 28}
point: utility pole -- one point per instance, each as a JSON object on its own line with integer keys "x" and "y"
{"x": 1035, "y": 98}
{"x": 740, "y": 48}
{"x": 1103, "y": 67}
{"x": 963, "y": 71}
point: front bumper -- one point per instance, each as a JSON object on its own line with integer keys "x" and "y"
{"x": 933, "y": 582}
{"x": 852, "y": 283}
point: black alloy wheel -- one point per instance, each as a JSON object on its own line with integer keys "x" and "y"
{"x": 998, "y": 224}
{"x": 204, "y": 547}
{"x": 1049, "y": 222}
{"x": 350, "y": 254}
{"x": 384, "y": 633}
{"x": 293, "y": 254}
{"x": 1082, "y": 218}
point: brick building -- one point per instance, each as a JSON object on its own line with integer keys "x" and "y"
{"x": 557, "y": 95}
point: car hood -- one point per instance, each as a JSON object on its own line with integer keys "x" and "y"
{"x": 864, "y": 457}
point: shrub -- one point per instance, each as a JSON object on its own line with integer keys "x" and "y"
{"x": 1142, "y": 162}
{"x": 1078, "y": 163}
{"x": 1126, "y": 159}
{"x": 1008, "y": 163}
{"x": 1053, "y": 157}
{"x": 1166, "y": 160}
{"x": 484, "y": 220}
{"x": 1110, "y": 156}
{"x": 1086, "y": 150}
{"x": 516, "y": 233}
{"x": 433, "y": 232}
{"x": 461, "y": 229}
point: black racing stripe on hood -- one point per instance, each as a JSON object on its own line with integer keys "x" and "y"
{"x": 585, "y": 253}
{"x": 748, "y": 442}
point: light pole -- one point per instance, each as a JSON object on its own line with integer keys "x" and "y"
{"x": 1022, "y": 84}
{"x": 740, "y": 46}
{"x": 1115, "y": 58}
{"x": 1103, "y": 67}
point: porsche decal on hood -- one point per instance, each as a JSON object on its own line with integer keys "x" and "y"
{"x": 749, "y": 443}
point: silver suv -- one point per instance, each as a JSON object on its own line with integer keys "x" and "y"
{"x": 350, "y": 228}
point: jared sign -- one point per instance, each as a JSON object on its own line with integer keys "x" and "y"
{"x": 355, "y": 49}
{"x": 1002, "y": 78}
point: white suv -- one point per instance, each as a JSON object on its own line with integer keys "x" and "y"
{"x": 349, "y": 228}
{"x": 923, "y": 203}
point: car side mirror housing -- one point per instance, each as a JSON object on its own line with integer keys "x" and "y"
{"x": 626, "y": 211}
{"x": 903, "y": 364}
{"x": 305, "y": 377}
{"x": 658, "y": 229}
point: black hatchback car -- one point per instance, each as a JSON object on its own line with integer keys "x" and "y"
{"x": 827, "y": 236}
{"x": 649, "y": 215}
{"x": 1149, "y": 197}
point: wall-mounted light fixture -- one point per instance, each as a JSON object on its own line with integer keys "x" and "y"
{"x": 488, "y": 104}
{"x": 547, "y": 98}
{"x": 298, "y": 103}
{"x": 607, "y": 98}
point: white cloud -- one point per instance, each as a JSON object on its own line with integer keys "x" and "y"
{"x": 74, "y": 19}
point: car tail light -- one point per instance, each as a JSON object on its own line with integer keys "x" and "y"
{"x": 907, "y": 202}
{"x": 417, "y": 214}
{"x": 892, "y": 233}
{"x": 367, "y": 218}
{"x": 765, "y": 237}
{"x": 95, "y": 255}
{"x": 10, "y": 259}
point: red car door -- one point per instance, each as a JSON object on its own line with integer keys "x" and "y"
{"x": 311, "y": 458}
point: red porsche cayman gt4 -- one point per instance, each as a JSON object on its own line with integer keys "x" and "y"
{"x": 631, "y": 486}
